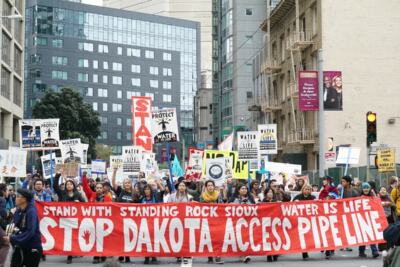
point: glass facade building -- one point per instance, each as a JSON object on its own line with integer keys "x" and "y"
{"x": 111, "y": 55}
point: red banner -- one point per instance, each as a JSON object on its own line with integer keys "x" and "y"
{"x": 141, "y": 122}
{"x": 196, "y": 229}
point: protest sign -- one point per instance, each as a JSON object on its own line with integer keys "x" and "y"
{"x": 283, "y": 173}
{"x": 141, "y": 122}
{"x": 386, "y": 159}
{"x": 131, "y": 157}
{"x": 268, "y": 139}
{"x": 194, "y": 168}
{"x": 239, "y": 168}
{"x": 48, "y": 166}
{"x": 119, "y": 175}
{"x": 12, "y": 163}
{"x": 227, "y": 144}
{"x": 164, "y": 126}
{"x": 209, "y": 230}
{"x": 248, "y": 147}
{"x": 71, "y": 150}
{"x": 217, "y": 171}
{"x": 148, "y": 163}
{"x": 348, "y": 155}
{"x": 39, "y": 134}
{"x": 85, "y": 148}
{"x": 71, "y": 169}
{"x": 99, "y": 166}
{"x": 116, "y": 162}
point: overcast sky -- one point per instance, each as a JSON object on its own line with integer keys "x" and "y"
{"x": 93, "y": 2}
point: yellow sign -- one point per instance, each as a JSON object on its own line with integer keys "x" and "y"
{"x": 240, "y": 168}
{"x": 386, "y": 160}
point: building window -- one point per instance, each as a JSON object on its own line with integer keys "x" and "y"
{"x": 135, "y": 68}
{"x": 153, "y": 83}
{"x": 119, "y": 50}
{"x": 95, "y": 107}
{"x": 154, "y": 70}
{"x": 62, "y": 61}
{"x": 102, "y": 92}
{"x": 95, "y": 78}
{"x": 105, "y": 106}
{"x": 119, "y": 121}
{"x": 6, "y": 47}
{"x": 249, "y": 11}
{"x": 151, "y": 95}
{"x": 36, "y": 59}
{"x": 119, "y": 94}
{"x": 119, "y": 135}
{"x": 128, "y": 136}
{"x": 17, "y": 92}
{"x": 117, "y": 80}
{"x": 58, "y": 43}
{"x": 105, "y": 79}
{"x": 117, "y": 66}
{"x": 103, "y": 120}
{"x": 135, "y": 82}
{"x": 39, "y": 41}
{"x": 167, "y": 56}
{"x": 167, "y": 72}
{"x": 103, "y": 49}
{"x": 117, "y": 107}
{"x": 103, "y": 135}
{"x": 89, "y": 91}
{"x": 83, "y": 63}
{"x": 149, "y": 54}
{"x": 105, "y": 65}
{"x": 167, "y": 85}
{"x": 5, "y": 83}
{"x": 61, "y": 75}
{"x": 85, "y": 47}
{"x": 95, "y": 64}
{"x": 167, "y": 98}
{"x": 129, "y": 94}
{"x": 132, "y": 52}
{"x": 83, "y": 77}
{"x": 128, "y": 122}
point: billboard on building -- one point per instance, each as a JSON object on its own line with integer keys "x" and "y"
{"x": 333, "y": 90}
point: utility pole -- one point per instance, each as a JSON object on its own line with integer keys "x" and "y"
{"x": 321, "y": 123}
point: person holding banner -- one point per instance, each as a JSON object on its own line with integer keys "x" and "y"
{"x": 69, "y": 194}
{"x": 211, "y": 195}
{"x": 270, "y": 197}
{"x": 395, "y": 196}
{"x": 328, "y": 187}
{"x": 25, "y": 237}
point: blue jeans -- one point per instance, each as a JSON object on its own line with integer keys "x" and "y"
{"x": 374, "y": 250}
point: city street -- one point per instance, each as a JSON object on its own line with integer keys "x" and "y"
{"x": 342, "y": 259}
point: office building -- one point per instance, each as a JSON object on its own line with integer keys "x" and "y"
{"x": 110, "y": 55}
{"x": 12, "y": 71}
{"x": 237, "y": 38}
{"x": 354, "y": 39}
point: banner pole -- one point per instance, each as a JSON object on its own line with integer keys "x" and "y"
{"x": 51, "y": 170}
{"x": 169, "y": 167}
{"x": 347, "y": 162}
{"x": 249, "y": 175}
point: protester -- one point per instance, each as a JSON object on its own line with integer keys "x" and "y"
{"x": 26, "y": 239}
{"x": 331, "y": 196}
{"x": 327, "y": 187}
{"x": 395, "y": 196}
{"x": 390, "y": 212}
{"x": 270, "y": 198}
{"x": 4, "y": 246}
{"x": 393, "y": 182}
{"x": 305, "y": 195}
{"x": 255, "y": 191}
{"x": 299, "y": 184}
{"x": 10, "y": 199}
{"x": 347, "y": 191}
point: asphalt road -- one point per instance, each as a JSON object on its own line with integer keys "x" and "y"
{"x": 341, "y": 259}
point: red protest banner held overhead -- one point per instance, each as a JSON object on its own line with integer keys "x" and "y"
{"x": 141, "y": 122}
{"x": 197, "y": 229}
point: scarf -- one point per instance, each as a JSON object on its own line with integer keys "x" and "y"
{"x": 210, "y": 197}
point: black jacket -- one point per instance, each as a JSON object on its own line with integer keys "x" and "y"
{"x": 63, "y": 195}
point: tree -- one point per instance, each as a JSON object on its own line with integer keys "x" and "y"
{"x": 77, "y": 118}
{"x": 103, "y": 152}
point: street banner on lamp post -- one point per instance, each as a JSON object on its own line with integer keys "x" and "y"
{"x": 308, "y": 90}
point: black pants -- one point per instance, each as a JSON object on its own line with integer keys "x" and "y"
{"x": 25, "y": 257}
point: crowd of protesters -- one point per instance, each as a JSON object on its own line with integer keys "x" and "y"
{"x": 19, "y": 222}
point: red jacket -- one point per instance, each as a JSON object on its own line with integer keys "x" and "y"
{"x": 326, "y": 190}
{"x": 90, "y": 194}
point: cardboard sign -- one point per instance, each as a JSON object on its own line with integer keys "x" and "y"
{"x": 141, "y": 122}
{"x": 164, "y": 126}
{"x": 71, "y": 150}
{"x": 116, "y": 162}
{"x": 39, "y": 134}
{"x": 71, "y": 169}
{"x": 12, "y": 163}
{"x": 386, "y": 159}
{"x": 99, "y": 166}
{"x": 268, "y": 139}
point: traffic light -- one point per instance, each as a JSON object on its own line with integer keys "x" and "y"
{"x": 371, "y": 128}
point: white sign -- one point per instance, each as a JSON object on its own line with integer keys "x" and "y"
{"x": 39, "y": 134}
{"x": 216, "y": 170}
{"x": 268, "y": 139}
{"x": 248, "y": 147}
{"x": 132, "y": 157}
{"x": 99, "y": 166}
{"x": 119, "y": 176}
{"x": 12, "y": 163}
{"x": 85, "y": 148}
{"x": 71, "y": 150}
{"x": 48, "y": 166}
{"x": 282, "y": 168}
{"x": 148, "y": 163}
{"x": 164, "y": 126}
{"x": 227, "y": 144}
{"x": 348, "y": 155}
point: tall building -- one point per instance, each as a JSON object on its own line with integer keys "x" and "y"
{"x": 354, "y": 39}
{"x": 12, "y": 71}
{"x": 236, "y": 39}
{"x": 196, "y": 10}
{"x": 110, "y": 55}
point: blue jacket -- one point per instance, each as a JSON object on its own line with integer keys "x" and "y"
{"x": 27, "y": 222}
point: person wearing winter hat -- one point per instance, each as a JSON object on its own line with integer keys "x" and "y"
{"x": 26, "y": 239}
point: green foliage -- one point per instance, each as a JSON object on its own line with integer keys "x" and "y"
{"x": 103, "y": 152}
{"x": 77, "y": 118}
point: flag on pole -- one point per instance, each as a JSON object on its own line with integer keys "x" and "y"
{"x": 176, "y": 167}
{"x": 227, "y": 144}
